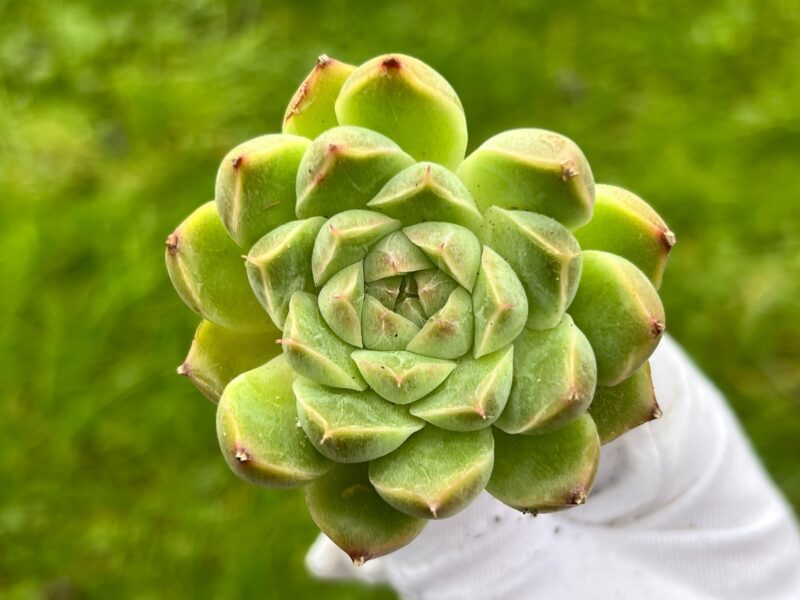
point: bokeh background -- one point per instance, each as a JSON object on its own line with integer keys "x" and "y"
{"x": 113, "y": 118}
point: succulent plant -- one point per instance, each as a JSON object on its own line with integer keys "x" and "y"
{"x": 396, "y": 328}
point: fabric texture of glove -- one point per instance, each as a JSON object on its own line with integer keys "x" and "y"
{"x": 681, "y": 508}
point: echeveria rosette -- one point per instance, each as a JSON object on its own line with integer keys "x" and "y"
{"x": 410, "y": 327}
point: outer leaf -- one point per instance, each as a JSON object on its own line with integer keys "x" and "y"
{"x": 428, "y": 192}
{"x": 383, "y": 329}
{"x": 341, "y": 301}
{"x": 256, "y": 427}
{"x": 499, "y": 303}
{"x": 436, "y": 473}
{"x": 206, "y": 268}
{"x": 532, "y": 170}
{"x": 343, "y": 169}
{"x": 620, "y": 312}
{"x": 543, "y": 254}
{"x": 217, "y": 355}
{"x": 408, "y": 101}
{"x": 626, "y": 225}
{"x": 474, "y": 395}
{"x": 401, "y": 377}
{"x": 351, "y": 426}
{"x": 310, "y": 111}
{"x": 434, "y": 289}
{"x": 547, "y": 472}
{"x": 280, "y": 264}
{"x": 448, "y": 333}
{"x": 454, "y": 249}
{"x": 346, "y": 239}
{"x": 554, "y": 379}
{"x": 255, "y": 189}
{"x": 347, "y": 509}
{"x": 619, "y": 409}
{"x": 394, "y": 255}
{"x": 313, "y": 350}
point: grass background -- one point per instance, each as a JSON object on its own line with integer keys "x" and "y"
{"x": 113, "y": 117}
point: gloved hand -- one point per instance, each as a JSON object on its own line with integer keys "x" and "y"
{"x": 681, "y": 509}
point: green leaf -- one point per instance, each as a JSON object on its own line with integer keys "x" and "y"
{"x": 546, "y": 472}
{"x": 620, "y": 312}
{"x": 532, "y": 170}
{"x": 313, "y": 350}
{"x": 434, "y": 289}
{"x": 341, "y": 301}
{"x": 346, "y": 239}
{"x": 554, "y": 379}
{"x": 436, "y": 473}
{"x": 394, "y": 255}
{"x": 401, "y": 377}
{"x": 349, "y": 511}
{"x": 206, "y": 268}
{"x": 343, "y": 169}
{"x": 257, "y": 431}
{"x": 279, "y": 265}
{"x": 454, "y": 249}
{"x": 428, "y": 192}
{"x": 311, "y": 110}
{"x": 626, "y": 225}
{"x": 628, "y": 404}
{"x": 448, "y": 333}
{"x": 217, "y": 355}
{"x": 408, "y": 101}
{"x": 349, "y": 426}
{"x": 499, "y": 303}
{"x": 473, "y": 396}
{"x": 385, "y": 291}
{"x": 255, "y": 188}
{"x": 543, "y": 254}
{"x": 384, "y": 329}
{"x": 411, "y": 309}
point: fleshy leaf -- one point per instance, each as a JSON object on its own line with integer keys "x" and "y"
{"x": 473, "y": 396}
{"x": 546, "y": 472}
{"x": 554, "y": 379}
{"x": 349, "y": 426}
{"x": 411, "y": 309}
{"x": 448, "y": 333}
{"x": 543, "y": 254}
{"x": 533, "y": 170}
{"x": 385, "y": 291}
{"x": 217, "y": 355}
{"x": 279, "y": 265}
{"x": 433, "y": 289}
{"x": 454, "y": 249}
{"x": 255, "y": 188}
{"x": 436, "y": 473}
{"x": 343, "y": 169}
{"x": 311, "y": 110}
{"x": 428, "y": 192}
{"x": 346, "y": 239}
{"x": 626, "y": 225}
{"x": 499, "y": 303}
{"x": 313, "y": 350}
{"x": 628, "y": 404}
{"x": 401, "y": 377}
{"x": 257, "y": 431}
{"x": 348, "y": 510}
{"x": 205, "y": 266}
{"x": 394, "y": 255}
{"x": 384, "y": 329}
{"x": 341, "y": 301}
{"x": 620, "y": 312}
{"x": 408, "y": 101}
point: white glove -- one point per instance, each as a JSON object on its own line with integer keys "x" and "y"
{"x": 681, "y": 509}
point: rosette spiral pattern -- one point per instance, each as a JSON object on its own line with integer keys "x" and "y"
{"x": 409, "y": 326}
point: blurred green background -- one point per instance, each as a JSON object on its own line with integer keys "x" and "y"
{"x": 113, "y": 118}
